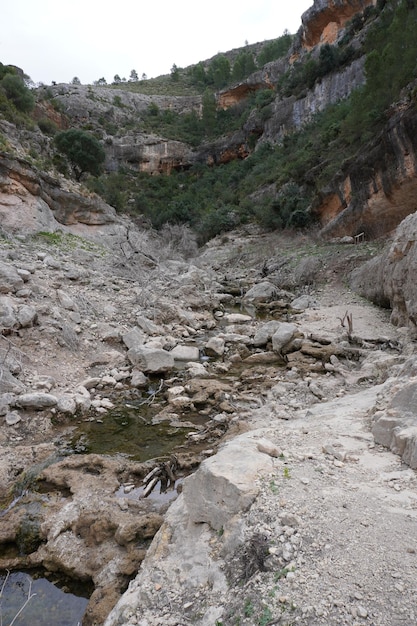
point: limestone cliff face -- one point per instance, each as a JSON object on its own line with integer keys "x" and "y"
{"x": 266, "y": 78}
{"x": 149, "y": 153}
{"x": 326, "y": 18}
{"x": 45, "y": 109}
{"x": 224, "y": 150}
{"x": 290, "y": 113}
{"x": 31, "y": 201}
{"x": 84, "y": 103}
{"x": 111, "y": 111}
{"x": 378, "y": 189}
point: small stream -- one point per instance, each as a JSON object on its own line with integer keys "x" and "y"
{"x": 131, "y": 429}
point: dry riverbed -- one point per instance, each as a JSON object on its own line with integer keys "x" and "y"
{"x": 327, "y": 505}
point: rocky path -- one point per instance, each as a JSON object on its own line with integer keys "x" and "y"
{"x": 330, "y": 536}
{"x": 323, "y": 530}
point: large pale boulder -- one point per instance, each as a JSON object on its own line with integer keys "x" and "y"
{"x": 185, "y": 353}
{"x": 389, "y": 280}
{"x": 396, "y": 427}
{"x": 151, "y": 360}
{"x": 222, "y": 487}
{"x": 262, "y": 292}
{"x": 37, "y": 401}
{"x": 265, "y": 332}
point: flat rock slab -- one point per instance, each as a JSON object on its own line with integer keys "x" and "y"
{"x": 225, "y": 484}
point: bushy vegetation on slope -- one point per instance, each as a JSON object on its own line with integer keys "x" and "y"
{"x": 276, "y": 184}
{"x": 16, "y": 99}
{"x": 220, "y": 71}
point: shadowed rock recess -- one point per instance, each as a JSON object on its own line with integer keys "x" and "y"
{"x": 223, "y": 434}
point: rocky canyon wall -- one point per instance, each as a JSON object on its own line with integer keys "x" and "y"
{"x": 376, "y": 190}
{"x": 290, "y": 114}
{"x": 326, "y": 18}
{"x": 31, "y": 201}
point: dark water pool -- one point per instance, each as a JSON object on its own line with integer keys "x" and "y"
{"x": 35, "y": 601}
{"x": 130, "y": 431}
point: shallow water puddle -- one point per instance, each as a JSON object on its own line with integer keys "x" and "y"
{"x": 128, "y": 431}
{"x": 29, "y": 600}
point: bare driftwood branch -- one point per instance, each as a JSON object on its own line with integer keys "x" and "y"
{"x": 164, "y": 473}
{"x": 349, "y": 319}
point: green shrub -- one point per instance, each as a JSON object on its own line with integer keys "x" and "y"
{"x": 83, "y": 150}
{"x": 7, "y": 69}
{"x": 275, "y": 49}
{"x": 47, "y": 126}
{"x": 16, "y": 91}
{"x": 117, "y": 101}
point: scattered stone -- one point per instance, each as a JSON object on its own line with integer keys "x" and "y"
{"x": 283, "y": 335}
{"x": 264, "y": 333}
{"x": 361, "y": 611}
{"x": 51, "y": 262}
{"x": 185, "y": 353}
{"x": 26, "y": 316}
{"x": 12, "y": 418}
{"x": 66, "y": 301}
{"x": 67, "y": 404}
{"x": 237, "y": 318}
{"x": 24, "y": 274}
{"x": 262, "y": 292}
{"x": 174, "y": 392}
{"x": 8, "y": 319}
{"x": 10, "y": 281}
{"x": 197, "y": 370}
{"x": 304, "y": 302}
{"x": 266, "y": 447}
{"x": 90, "y": 383}
{"x": 107, "y": 357}
{"x": 138, "y": 379}
{"x": 337, "y": 453}
{"x": 149, "y": 327}
{"x": 215, "y": 346}
{"x": 316, "y": 391}
{"x": 135, "y": 337}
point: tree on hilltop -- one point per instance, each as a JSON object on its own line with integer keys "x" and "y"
{"x": 175, "y": 73}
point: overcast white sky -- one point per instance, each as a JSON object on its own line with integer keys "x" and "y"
{"x": 55, "y": 40}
